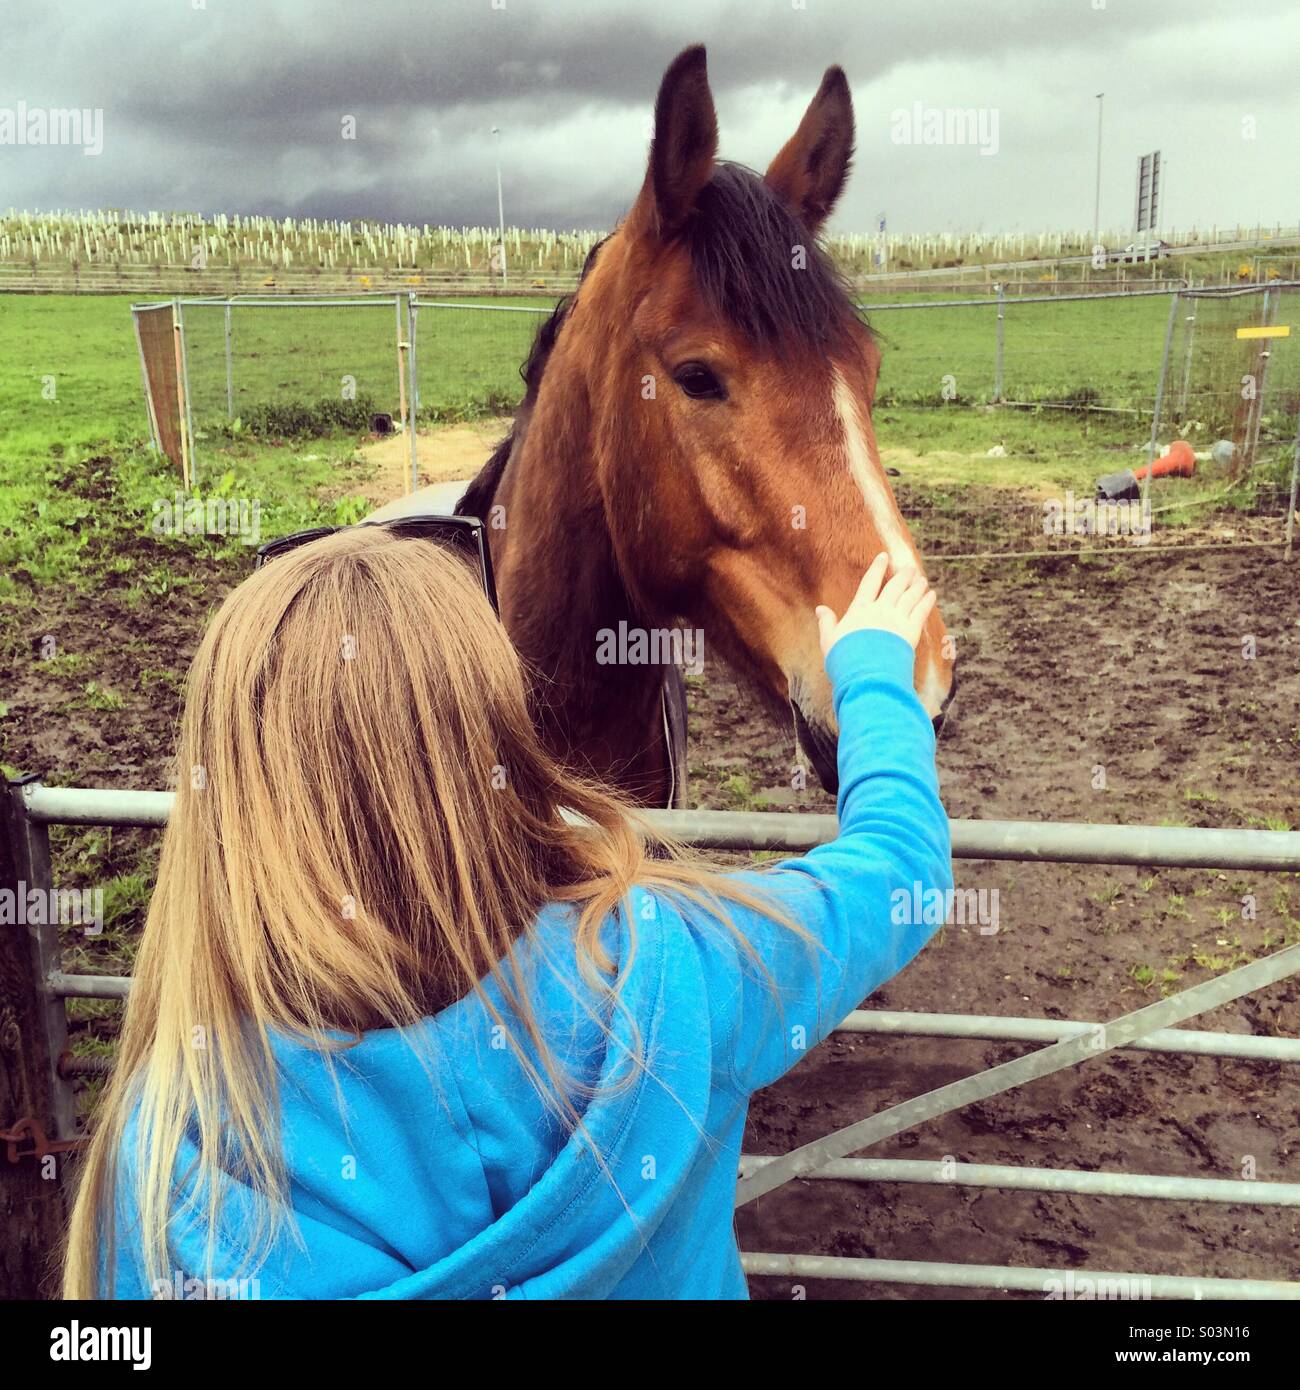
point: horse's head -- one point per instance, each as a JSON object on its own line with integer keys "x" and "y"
{"x": 730, "y": 383}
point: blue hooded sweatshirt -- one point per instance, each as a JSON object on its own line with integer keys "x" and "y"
{"x": 423, "y": 1164}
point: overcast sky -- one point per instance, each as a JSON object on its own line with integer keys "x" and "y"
{"x": 239, "y": 105}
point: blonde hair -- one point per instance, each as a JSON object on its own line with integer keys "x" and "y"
{"x": 365, "y": 825}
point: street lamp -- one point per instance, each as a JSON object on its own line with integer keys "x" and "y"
{"x": 1096, "y": 207}
{"x": 501, "y": 215}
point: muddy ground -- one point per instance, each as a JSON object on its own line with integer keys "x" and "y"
{"x": 445, "y": 454}
{"x": 1134, "y": 666}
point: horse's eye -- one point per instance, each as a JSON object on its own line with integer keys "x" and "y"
{"x": 698, "y": 381}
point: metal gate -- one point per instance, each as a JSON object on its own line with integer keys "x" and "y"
{"x": 30, "y": 808}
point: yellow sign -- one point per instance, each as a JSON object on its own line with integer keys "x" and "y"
{"x": 1280, "y": 331}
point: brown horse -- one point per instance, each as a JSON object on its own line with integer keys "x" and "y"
{"x": 695, "y": 450}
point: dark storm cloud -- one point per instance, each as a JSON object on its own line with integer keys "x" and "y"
{"x": 234, "y": 105}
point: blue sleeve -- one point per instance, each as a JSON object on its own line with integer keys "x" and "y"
{"x": 856, "y": 896}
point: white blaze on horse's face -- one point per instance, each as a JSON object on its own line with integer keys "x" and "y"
{"x": 866, "y": 473}
{"x": 934, "y": 683}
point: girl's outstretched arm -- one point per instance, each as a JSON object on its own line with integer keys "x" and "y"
{"x": 857, "y": 896}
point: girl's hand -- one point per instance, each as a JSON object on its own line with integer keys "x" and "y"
{"x": 902, "y": 605}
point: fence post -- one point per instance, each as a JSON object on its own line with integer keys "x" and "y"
{"x": 997, "y": 370}
{"x": 230, "y": 369}
{"x": 178, "y": 343}
{"x": 413, "y": 388}
{"x": 33, "y": 1033}
{"x": 187, "y": 424}
{"x": 1257, "y": 413}
{"x": 1160, "y": 396}
{"x": 401, "y": 361}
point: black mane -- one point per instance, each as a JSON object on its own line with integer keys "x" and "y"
{"x": 742, "y": 242}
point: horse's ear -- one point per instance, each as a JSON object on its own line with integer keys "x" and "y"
{"x": 684, "y": 146}
{"x": 809, "y": 173}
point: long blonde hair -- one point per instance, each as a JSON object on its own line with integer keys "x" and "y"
{"x": 365, "y": 825}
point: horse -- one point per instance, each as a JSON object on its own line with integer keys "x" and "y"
{"x": 694, "y": 452}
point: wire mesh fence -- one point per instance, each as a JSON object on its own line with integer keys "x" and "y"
{"x": 242, "y": 355}
{"x": 1096, "y": 351}
{"x": 1217, "y": 367}
{"x": 1234, "y": 366}
{"x": 1086, "y": 352}
{"x": 470, "y": 355}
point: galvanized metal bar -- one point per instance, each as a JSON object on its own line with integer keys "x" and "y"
{"x": 939, "y": 1173}
{"x": 1081, "y": 842}
{"x": 61, "y": 986}
{"x": 1238, "y": 291}
{"x": 1071, "y": 842}
{"x": 1021, "y": 299}
{"x": 96, "y": 806}
{"x": 1256, "y": 418}
{"x": 1068, "y": 842}
{"x": 1187, "y": 362}
{"x": 1209, "y": 292}
{"x": 485, "y": 308}
{"x": 1165, "y": 1013}
{"x": 983, "y": 1028}
{"x": 1052, "y": 1284}
{"x": 413, "y": 385}
{"x": 294, "y": 301}
{"x": 401, "y": 348}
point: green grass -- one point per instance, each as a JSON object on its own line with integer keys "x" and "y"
{"x": 1105, "y": 352}
{"x": 86, "y": 584}
{"x": 74, "y": 469}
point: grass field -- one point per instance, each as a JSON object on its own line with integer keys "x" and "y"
{"x": 70, "y": 391}
{"x": 1105, "y": 352}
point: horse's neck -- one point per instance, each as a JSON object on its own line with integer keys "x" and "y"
{"x": 561, "y": 588}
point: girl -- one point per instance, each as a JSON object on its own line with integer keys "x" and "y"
{"x": 402, "y": 1030}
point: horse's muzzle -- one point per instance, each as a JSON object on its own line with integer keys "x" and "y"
{"x": 941, "y": 719}
{"x": 820, "y": 744}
